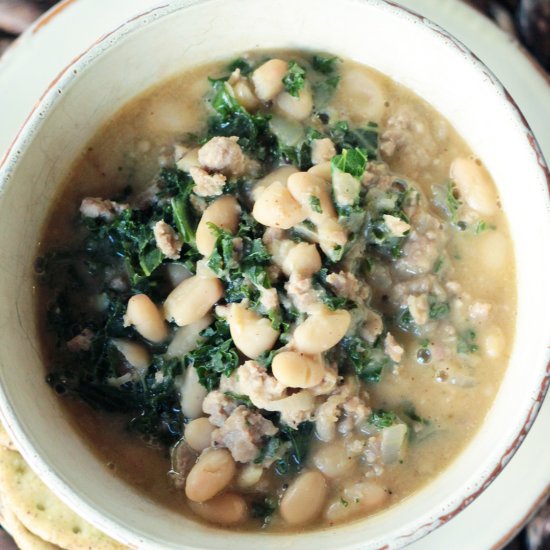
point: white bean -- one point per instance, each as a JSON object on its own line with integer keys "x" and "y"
{"x": 224, "y": 213}
{"x": 323, "y": 171}
{"x": 332, "y": 237}
{"x": 189, "y": 160}
{"x": 493, "y": 251}
{"x": 245, "y": 96}
{"x": 249, "y": 476}
{"x": 302, "y": 259}
{"x": 345, "y": 187}
{"x": 268, "y": 79}
{"x": 333, "y": 460}
{"x": 304, "y": 499}
{"x": 212, "y": 473}
{"x": 192, "y": 299}
{"x": 475, "y": 185}
{"x": 136, "y": 354}
{"x": 192, "y": 393}
{"x": 225, "y": 509}
{"x": 177, "y": 273}
{"x": 144, "y": 315}
{"x": 251, "y": 333}
{"x": 298, "y": 108}
{"x": 303, "y": 186}
{"x": 276, "y": 207}
{"x": 186, "y": 338}
{"x": 321, "y": 331}
{"x": 356, "y": 499}
{"x": 362, "y": 95}
{"x": 280, "y": 174}
{"x": 198, "y": 434}
{"x": 297, "y": 370}
{"x": 493, "y": 343}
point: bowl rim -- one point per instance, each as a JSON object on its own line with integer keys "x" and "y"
{"x": 49, "y": 100}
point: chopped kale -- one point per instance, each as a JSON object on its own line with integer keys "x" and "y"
{"x": 263, "y": 509}
{"x": 326, "y": 294}
{"x": 323, "y": 90}
{"x": 404, "y": 320}
{"x": 242, "y": 64}
{"x": 365, "y": 138}
{"x": 294, "y": 459}
{"x": 438, "y": 310}
{"x": 294, "y": 80}
{"x": 240, "y": 399}
{"x": 315, "y": 204}
{"x": 324, "y": 65}
{"x": 483, "y": 226}
{"x": 382, "y": 419}
{"x": 392, "y": 202}
{"x": 352, "y": 161}
{"x": 367, "y": 361}
{"x": 409, "y": 411}
{"x": 466, "y": 342}
{"x": 231, "y": 119}
{"x": 216, "y": 355}
{"x": 446, "y": 197}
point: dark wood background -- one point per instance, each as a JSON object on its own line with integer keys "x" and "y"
{"x": 528, "y": 20}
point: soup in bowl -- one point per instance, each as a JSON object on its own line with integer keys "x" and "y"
{"x": 275, "y": 288}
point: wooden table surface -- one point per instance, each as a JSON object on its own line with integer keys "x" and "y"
{"x": 529, "y": 20}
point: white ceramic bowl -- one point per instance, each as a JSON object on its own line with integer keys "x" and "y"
{"x": 164, "y": 41}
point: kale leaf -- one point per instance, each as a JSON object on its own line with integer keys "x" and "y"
{"x": 324, "y": 65}
{"x": 327, "y": 295}
{"x": 367, "y": 361}
{"x": 382, "y": 419}
{"x": 365, "y": 138}
{"x": 466, "y": 342}
{"x": 352, "y": 161}
{"x": 231, "y": 119}
{"x": 215, "y": 355}
{"x": 294, "y": 80}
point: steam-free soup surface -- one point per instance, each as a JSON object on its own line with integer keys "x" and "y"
{"x": 278, "y": 294}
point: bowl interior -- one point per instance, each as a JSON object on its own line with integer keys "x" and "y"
{"x": 158, "y": 44}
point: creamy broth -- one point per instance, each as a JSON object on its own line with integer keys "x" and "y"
{"x": 445, "y": 291}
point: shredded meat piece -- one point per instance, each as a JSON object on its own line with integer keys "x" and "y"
{"x": 218, "y": 406}
{"x": 94, "y": 207}
{"x": 372, "y": 327}
{"x": 423, "y": 245}
{"x": 416, "y": 138}
{"x": 223, "y": 154}
{"x": 343, "y": 400}
{"x": 301, "y": 293}
{"x": 81, "y": 342}
{"x": 206, "y": 185}
{"x": 328, "y": 383}
{"x": 242, "y": 432}
{"x": 347, "y": 285}
{"x": 419, "y": 308}
{"x": 167, "y": 240}
{"x": 392, "y": 349}
{"x": 322, "y": 150}
{"x": 266, "y": 392}
{"x": 269, "y": 298}
{"x": 327, "y": 415}
{"x": 396, "y": 225}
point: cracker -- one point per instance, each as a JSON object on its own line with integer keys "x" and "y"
{"x": 42, "y": 513}
{"x": 24, "y": 539}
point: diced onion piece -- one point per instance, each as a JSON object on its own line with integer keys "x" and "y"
{"x": 393, "y": 443}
